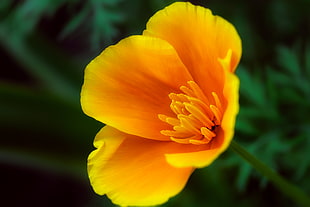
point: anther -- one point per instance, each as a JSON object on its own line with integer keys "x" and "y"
{"x": 196, "y": 116}
{"x": 217, "y": 114}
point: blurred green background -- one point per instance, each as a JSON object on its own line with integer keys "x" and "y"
{"x": 45, "y": 138}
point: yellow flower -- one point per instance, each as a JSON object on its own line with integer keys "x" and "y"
{"x": 169, "y": 98}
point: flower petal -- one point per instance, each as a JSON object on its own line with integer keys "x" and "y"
{"x": 231, "y": 94}
{"x": 203, "y": 157}
{"x": 199, "y": 38}
{"x": 127, "y": 85}
{"x": 133, "y": 170}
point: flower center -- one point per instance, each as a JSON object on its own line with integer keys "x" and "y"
{"x": 197, "y": 118}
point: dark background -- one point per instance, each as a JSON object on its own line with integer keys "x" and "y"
{"x": 45, "y": 138}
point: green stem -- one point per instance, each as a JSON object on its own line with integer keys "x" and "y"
{"x": 287, "y": 188}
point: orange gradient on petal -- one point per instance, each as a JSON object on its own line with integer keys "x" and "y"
{"x": 169, "y": 99}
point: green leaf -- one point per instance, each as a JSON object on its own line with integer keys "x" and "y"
{"x": 41, "y": 160}
{"x": 4, "y": 7}
{"x": 26, "y": 15}
{"x": 74, "y": 23}
{"x": 104, "y": 22}
{"x": 41, "y": 118}
{"x": 244, "y": 125}
{"x": 288, "y": 60}
{"x": 307, "y": 60}
{"x": 251, "y": 87}
{"x": 243, "y": 176}
{"x": 31, "y": 59}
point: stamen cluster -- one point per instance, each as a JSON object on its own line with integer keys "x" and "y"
{"x": 196, "y": 118}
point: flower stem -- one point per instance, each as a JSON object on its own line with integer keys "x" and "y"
{"x": 287, "y": 188}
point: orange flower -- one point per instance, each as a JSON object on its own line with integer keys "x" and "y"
{"x": 169, "y": 98}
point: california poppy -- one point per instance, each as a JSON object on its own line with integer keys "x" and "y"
{"x": 169, "y": 99}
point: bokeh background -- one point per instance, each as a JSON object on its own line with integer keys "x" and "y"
{"x": 45, "y": 138}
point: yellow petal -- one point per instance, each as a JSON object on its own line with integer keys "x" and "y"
{"x": 133, "y": 170}
{"x": 200, "y": 39}
{"x": 127, "y": 85}
{"x": 231, "y": 94}
{"x": 202, "y": 157}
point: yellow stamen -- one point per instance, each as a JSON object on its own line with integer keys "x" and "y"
{"x": 196, "y": 117}
{"x": 217, "y": 101}
{"x": 174, "y": 133}
{"x": 207, "y": 133}
{"x": 217, "y": 114}
{"x": 187, "y": 91}
{"x": 198, "y": 92}
{"x": 201, "y": 105}
{"x": 186, "y": 123}
{"x": 169, "y": 120}
{"x": 198, "y": 114}
{"x": 186, "y": 140}
{"x": 198, "y": 142}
